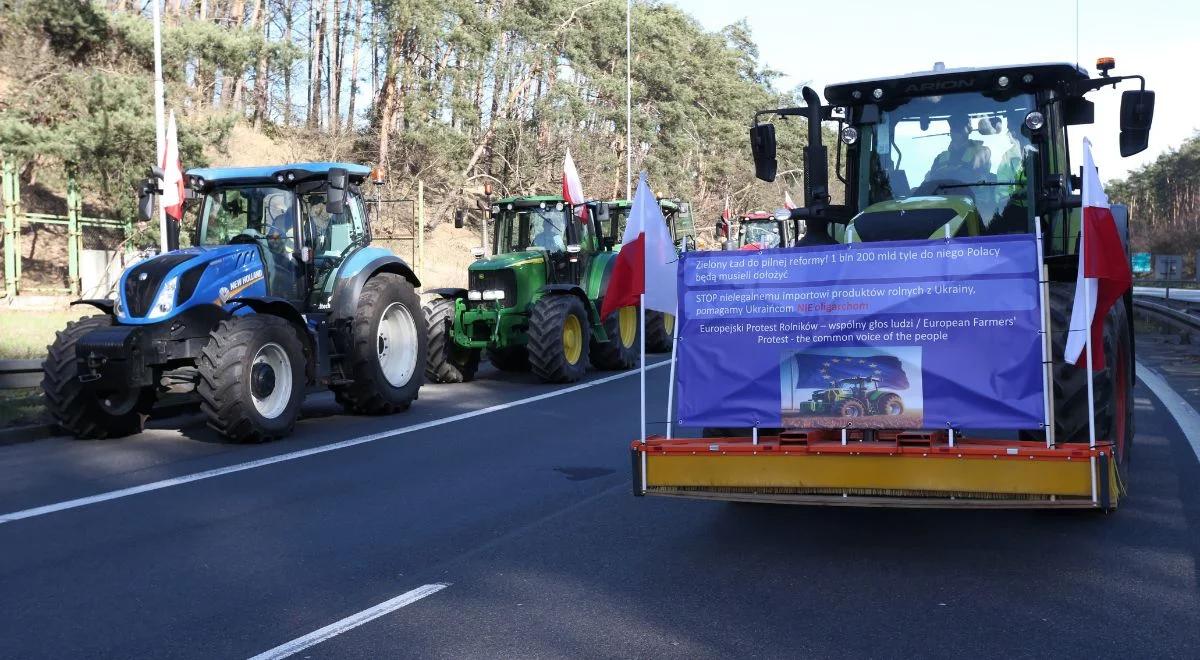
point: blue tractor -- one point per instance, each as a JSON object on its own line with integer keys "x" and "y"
{"x": 279, "y": 289}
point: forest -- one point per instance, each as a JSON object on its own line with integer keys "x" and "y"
{"x": 452, "y": 92}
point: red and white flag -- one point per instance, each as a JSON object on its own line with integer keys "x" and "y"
{"x": 168, "y": 160}
{"x": 647, "y": 260}
{"x": 1104, "y": 274}
{"x": 572, "y": 188}
{"x": 787, "y": 200}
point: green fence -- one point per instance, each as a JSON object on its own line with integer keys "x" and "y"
{"x": 15, "y": 219}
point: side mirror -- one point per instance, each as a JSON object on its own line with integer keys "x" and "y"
{"x": 762, "y": 148}
{"x": 335, "y": 196}
{"x": 146, "y": 202}
{"x": 685, "y": 208}
{"x": 460, "y": 217}
{"x": 603, "y": 212}
{"x": 1137, "y": 114}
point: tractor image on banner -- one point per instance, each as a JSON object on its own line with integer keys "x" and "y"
{"x": 280, "y": 289}
{"x": 956, "y": 332}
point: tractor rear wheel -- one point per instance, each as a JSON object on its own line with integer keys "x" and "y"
{"x": 889, "y": 404}
{"x": 252, "y": 378}
{"x": 512, "y": 358}
{"x": 448, "y": 362}
{"x": 387, "y": 352}
{"x": 1112, "y": 385}
{"x": 620, "y": 352}
{"x": 660, "y": 328}
{"x": 82, "y": 411}
{"x": 558, "y": 336}
{"x": 851, "y": 408}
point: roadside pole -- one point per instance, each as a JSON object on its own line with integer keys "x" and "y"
{"x": 160, "y": 129}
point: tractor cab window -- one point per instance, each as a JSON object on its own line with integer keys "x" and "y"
{"x": 264, "y": 216}
{"x": 618, "y": 218}
{"x": 334, "y": 235}
{"x": 763, "y": 234}
{"x": 963, "y": 145}
{"x": 534, "y": 228}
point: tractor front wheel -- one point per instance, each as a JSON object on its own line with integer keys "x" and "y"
{"x": 387, "y": 352}
{"x": 851, "y": 408}
{"x": 252, "y": 378}
{"x": 448, "y": 362}
{"x": 889, "y": 404}
{"x": 558, "y": 336}
{"x": 620, "y": 352}
{"x": 83, "y": 411}
{"x": 660, "y": 329}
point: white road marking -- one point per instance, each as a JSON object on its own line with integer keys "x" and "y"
{"x": 1185, "y": 415}
{"x": 291, "y": 456}
{"x": 349, "y": 623}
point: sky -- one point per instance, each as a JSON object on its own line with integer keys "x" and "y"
{"x": 1159, "y": 39}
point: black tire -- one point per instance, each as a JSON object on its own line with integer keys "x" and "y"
{"x": 659, "y": 331}
{"x": 887, "y": 401}
{"x": 550, "y": 357}
{"x": 1112, "y": 386}
{"x": 512, "y": 358}
{"x": 618, "y": 353}
{"x": 232, "y": 378}
{"x": 448, "y": 362}
{"x": 82, "y": 411}
{"x": 851, "y": 408}
{"x": 369, "y": 392}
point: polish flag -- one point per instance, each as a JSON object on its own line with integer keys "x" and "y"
{"x": 787, "y": 200}
{"x": 572, "y": 188}
{"x": 647, "y": 260}
{"x": 1104, "y": 274}
{"x": 172, "y": 185}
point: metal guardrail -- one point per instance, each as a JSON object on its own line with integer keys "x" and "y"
{"x": 20, "y": 373}
{"x": 1176, "y": 318}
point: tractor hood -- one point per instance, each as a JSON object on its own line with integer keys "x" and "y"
{"x": 510, "y": 260}
{"x": 916, "y": 218}
{"x": 160, "y": 287}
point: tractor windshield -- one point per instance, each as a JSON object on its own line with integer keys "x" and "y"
{"x": 256, "y": 213}
{"x": 764, "y": 234}
{"x": 533, "y": 228}
{"x": 964, "y": 144}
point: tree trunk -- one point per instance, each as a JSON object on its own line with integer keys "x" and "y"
{"x": 334, "y": 59}
{"x": 237, "y": 12}
{"x": 314, "y": 82}
{"x": 355, "y": 49}
{"x": 388, "y": 93}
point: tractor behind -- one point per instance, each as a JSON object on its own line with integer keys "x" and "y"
{"x": 534, "y": 304}
{"x": 757, "y": 230}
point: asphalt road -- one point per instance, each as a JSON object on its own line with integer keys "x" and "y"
{"x": 525, "y": 512}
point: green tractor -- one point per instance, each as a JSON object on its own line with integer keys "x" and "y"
{"x": 660, "y": 327}
{"x": 534, "y": 304}
{"x": 976, "y": 152}
{"x": 854, "y": 397}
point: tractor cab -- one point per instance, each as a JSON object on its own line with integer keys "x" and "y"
{"x": 756, "y": 230}
{"x": 951, "y": 152}
{"x": 677, "y": 213}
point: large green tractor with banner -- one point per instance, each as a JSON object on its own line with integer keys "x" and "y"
{"x": 534, "y": 305}
{"x": 660, "y": 326}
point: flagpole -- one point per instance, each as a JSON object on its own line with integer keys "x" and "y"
{"x": 629, "y": 105}
{"x": 1087, "y": 347}
{"x": 674, "y": 352}
{"x": 642, "y": 375}
{"x": 160, "y": 129}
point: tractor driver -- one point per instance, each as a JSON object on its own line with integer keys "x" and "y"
{"x": 282, "y": 267}
{"x": 964, "y": 160}
{"x": 549, "y": 236}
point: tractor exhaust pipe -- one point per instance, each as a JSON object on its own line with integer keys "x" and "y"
{"x": 816, "y": 172}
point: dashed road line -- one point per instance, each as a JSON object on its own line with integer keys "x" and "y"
{"x": 1185, "y": 415}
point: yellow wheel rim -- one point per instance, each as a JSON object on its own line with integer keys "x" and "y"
{"x": 669, "y": 324}
{"x": 627, "y": 323}
{"x": 572, "y": 339}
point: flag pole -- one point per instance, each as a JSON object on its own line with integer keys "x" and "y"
{"x": 1087, "y": 347}
{"x": 642, "y": 376}
{"x": 629, "y": 109}
{"x": 160, "y": 129}
{"x": 671, "y": 377}
{"x": 1044, "y": 319}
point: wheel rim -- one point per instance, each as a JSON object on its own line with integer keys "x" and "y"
{"x": 851, "y": 411}
{"x": 627, "y": 318}
{"x": 572, "y": 339}
{"x": 669, "y": 324}
{"x": 396, "y": 344}
{"x": 894, "y": 408}
{"x": 271, "y": 380}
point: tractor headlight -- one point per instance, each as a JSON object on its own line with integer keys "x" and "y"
{"x": 165, "y": 301}
{"x": 493, "y": 294}
{"x": 1035, "y": 120}
{"x": 474, "y": 295}
{"x": 118, "y": 306}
